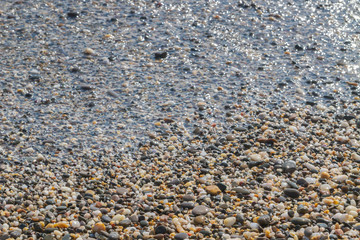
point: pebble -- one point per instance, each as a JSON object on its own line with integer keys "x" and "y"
{"x": 291, "y": 192}
{"x": 125, "y": 223}
{"x": 300, "y": 221}
{"x": 340, "y": 178}
{"x": 200, "y": 210}
{"x": 199, "y": 220}
{"x": 228, "y": 222}
{"x": 213, "y": 190}
{"x": 89, "y": 51}
{"x": 264, "y": 220}
{"x": 181, "y": 236}
{"x": 255, "y": 157}
{"x": 113, "y": 236}
{"x": 160, "y": 230}
{"x": 289, "y": 166}
{"x": 98, "y": 227}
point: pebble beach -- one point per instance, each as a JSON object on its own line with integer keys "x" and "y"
{"x": 208, "y": 119}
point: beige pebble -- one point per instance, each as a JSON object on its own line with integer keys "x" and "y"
{"x": 228, "y": 222}
{"x": 98, "y": 227}
{"x": 89, "y": 51}
{"x": 213, "y": 190}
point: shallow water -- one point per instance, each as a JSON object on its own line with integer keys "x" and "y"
{"x": 220, "y": 52}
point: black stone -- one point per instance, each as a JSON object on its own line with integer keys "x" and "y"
{"x": 106, "y": 218}
{"x": 144, "y": 223}
{"x": 289, "y": 166}
{"x": 160, "y": 55}
{"x": 187, "y": 205}
{"x": 302, "y": 182}
{"x": 72, "y": 14}
{"x": 264, "y": 220}
{"x": 300, "y": 221}
{"x": 221, "y": 186}
{"x": 291, "y": 192}
{"x": 160, "y": 229}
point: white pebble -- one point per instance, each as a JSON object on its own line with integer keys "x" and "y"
{"x": 293, "y": 129}
{"x": 254, "y": 225}
{"x": 255, "y": 157}
{"x": 355, "y": 157}
{"x": 340, "y": 217}
{"x": 228, "y": 222}
{"x": 75, "y": 224}
{"x": 66, "y": 189}
{"x": 340, "y": 178}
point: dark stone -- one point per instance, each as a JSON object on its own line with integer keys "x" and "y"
{"x": 72, "y": 14}
{"x": 254, "y": 164}
{"x": 15, "y": 234}
{"x": 181, "y": 236}
{"x": 302, "y": 209}
{"x": 113, "y": 236}
{"x": 289, "y": 166}
{"x": 125, "y": 223}
{"x": 67, "y": 237}
{"x": 226, "y": 198}
{"x": 188, "y": 205}
{"x": 144, "y": 223}
{"x": 240, "y": 218}
{"x": 160, "y": 55}
{"x": 291, "y": 192}
{"x": 302, "y": 182}
{"x": 134, "y": 218}
{"x": 37, "y": 227}
{"x": 61, "y": 208}
{"x": 106, "y": 218}
{"x": 241, "y": 191}
{"x": 300, "y": 221}
{"x": 160, "y": 229}
{"x": 221, "y": 186}
{"x": 50, "y": 201}
{"x": 188, "y": 198}
{"x": 298, "y": 47}
{"x": 48, "y": 237}
{"x": 49, "y": 230}
{"x": 264, "y": 220}
{"x": 205, "y": 233}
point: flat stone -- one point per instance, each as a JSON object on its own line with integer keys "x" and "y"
{"x": 188, "y": 198}
{"x": 181, "y": 236}
{"x": 188, "y": 205}
{"x": 291, "y": 192}
{"x": 300, "y": 221}
{"x": 121, "y": 190}
{"x": 213, "y": 190}
{"x": 106, "y": 218}
{"x": 200, "y": 210}
{"x": 242, "y": 191}
{"x": 113, "y": 236}
{"x": 125, "y": 223}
